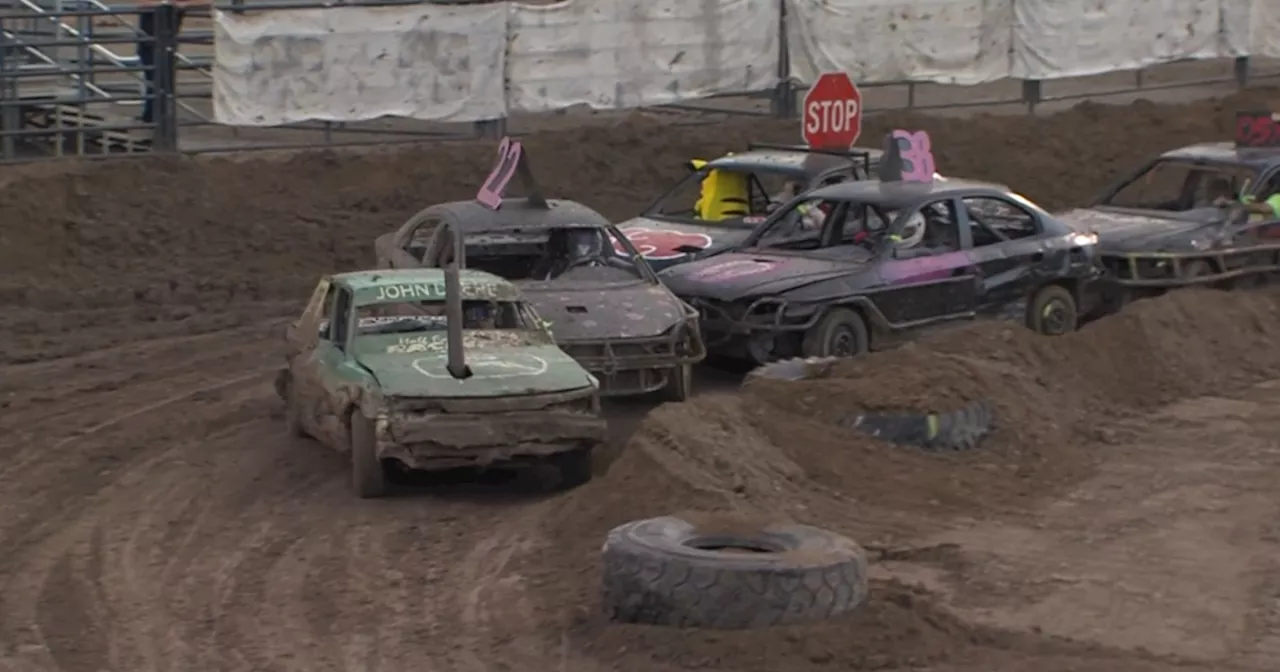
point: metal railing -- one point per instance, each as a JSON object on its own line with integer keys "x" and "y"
{"x": 72, "y": 83}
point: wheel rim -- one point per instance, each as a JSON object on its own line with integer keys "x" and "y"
{"x": 1055, "y": 318}
{"x": 844, "y": 343}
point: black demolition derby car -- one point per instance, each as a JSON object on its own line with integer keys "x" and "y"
{"x": 859, "y": 265}
{"x": 605, "y": 307}
{"x": 1206, "y": 214}
{"x": 721, "y": 201}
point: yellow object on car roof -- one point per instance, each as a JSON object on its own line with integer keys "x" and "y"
{"x": 724, "y": 194}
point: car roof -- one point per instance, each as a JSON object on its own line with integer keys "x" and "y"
{"x": 401, "y": 284}
{"x": 521, "y": 213}
{"x": 1226, "y": 152}
{"x": 902, "y": 194}
{"x": 797, "y": 161}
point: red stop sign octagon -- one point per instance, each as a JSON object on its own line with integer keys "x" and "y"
{"x": 832, "y": 112}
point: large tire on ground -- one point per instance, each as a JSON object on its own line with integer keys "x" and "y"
{"x": 574, "y": 467}
{"x": 729, "y": 575}
{"x": 368, "y": 477}
{"x": 679, "y": 383}
{"x": 1052, "y": 311}
{"x": 840, "y": 333}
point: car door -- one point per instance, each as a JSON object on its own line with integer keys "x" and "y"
{"x": 934, "y": 278}
{"x": 330, "y": 354}
{"x": 1007, "y": 249}
{"x": 306, "y": 337}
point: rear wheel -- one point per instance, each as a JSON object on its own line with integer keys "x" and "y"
{"x": 1052, "y": 311}
{"x": 1197, "y": 268}
{"x": 679, "y": 383}
{"x": 840, "y": 333}
{"x": 368, "y": 478}
{"x": 292, "y": 413}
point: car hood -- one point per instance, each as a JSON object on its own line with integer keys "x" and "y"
{"x": 579, "y": 313}
{"x": 496, "y": 372}
{"x": 736, "y": 275}
{"x": 655, "y": 239}
{"x": 1128, "y": 231}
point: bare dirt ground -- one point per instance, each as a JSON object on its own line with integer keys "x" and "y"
{"x": 155, "y": 516}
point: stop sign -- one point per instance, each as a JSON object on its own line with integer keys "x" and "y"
{"x": 832, "y": 112}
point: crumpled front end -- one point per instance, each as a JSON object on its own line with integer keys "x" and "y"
{"x": 434, "y": 434}
{"x": 632, "y": 366}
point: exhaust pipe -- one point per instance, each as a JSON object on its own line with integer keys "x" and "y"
{"x": 453, "y": 313}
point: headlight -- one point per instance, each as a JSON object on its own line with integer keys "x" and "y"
{"x": 1201, "y": 244}
{"x": 1084, "y": 239}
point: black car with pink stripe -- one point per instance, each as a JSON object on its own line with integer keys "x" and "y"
{"x": 857, "y": 266}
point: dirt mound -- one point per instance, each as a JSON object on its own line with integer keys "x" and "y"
{"x": 779, "y": 451}
{"x": 163, "y": 241}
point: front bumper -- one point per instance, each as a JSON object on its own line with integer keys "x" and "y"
{"x": 446, "y": 440}
{"x": 637, "y": 365}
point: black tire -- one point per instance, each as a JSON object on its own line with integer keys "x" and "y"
{"x": 574, "y": 466}
{"x": 955, "y": 431}
{"x": 368, "y": 477}
{"x": 840, "y": 333}
{"x": 1197, "y": 268}
{"x": 1052, "y": 311}
{"x": 670, "y": 571}
{"x": 679, "y": 383}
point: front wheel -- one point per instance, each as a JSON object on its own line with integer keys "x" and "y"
{"x": 840, "y": 333}
{"x": 574, "y": 467}
{"x": 368, "y": 478}
{"x": 679, "y": 383}
{"x": 1052, "y": 311}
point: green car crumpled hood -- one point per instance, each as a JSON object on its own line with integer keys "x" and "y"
{"x": 496, "y": 372}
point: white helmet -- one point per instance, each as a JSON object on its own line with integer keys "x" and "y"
{"x": 912, "y": 232}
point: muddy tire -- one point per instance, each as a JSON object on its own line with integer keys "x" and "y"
{"x": 954, "y": 431}
{"x": 574, "y": 467}
{"x": 293, "y": 414}
{"x": 962, "y": 429}
{"x": 1197, "y": 268}
{"x": 679, "y": 383}
{"x": 840, "y": 333}
{"x": 1052, "y": 311}
{"x": 368, "y": 477}
{"x": 730, "y": 576}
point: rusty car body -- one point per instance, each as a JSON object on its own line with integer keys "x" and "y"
{"x": 432, "y": 370}
{"x": 852, "y": 282}
{"x": 607, "y": 310}
{"x": 1159, "y": 228}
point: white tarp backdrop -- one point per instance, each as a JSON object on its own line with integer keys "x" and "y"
{"x": 944, "y": 41}
{"x": 357, "y": 63}
{"x": 1075, "y": 38}
{"x": 1251, "y": 28}
{"x": 612, "y": 54}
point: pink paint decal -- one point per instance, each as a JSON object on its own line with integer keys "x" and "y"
{"x": 735, "y": 268}
{"x": 924, "y": 269}
{"x": 661, "y": 244}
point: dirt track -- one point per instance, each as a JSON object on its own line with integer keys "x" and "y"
{"x": 155, "y": 516}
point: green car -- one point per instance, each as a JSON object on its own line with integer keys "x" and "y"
{"x": 435, "y": 369}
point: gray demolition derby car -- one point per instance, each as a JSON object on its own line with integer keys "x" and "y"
{"x": 1197, "y": 215}
{"x": 604, "y": 305}
{"x": 721, "y": 201}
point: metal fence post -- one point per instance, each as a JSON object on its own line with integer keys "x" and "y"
{"x": 783, "y": 102}
{"x": 1031, "y": 94}
{"x": 1242, "y": 71}
{"x": 165, "y": 134}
